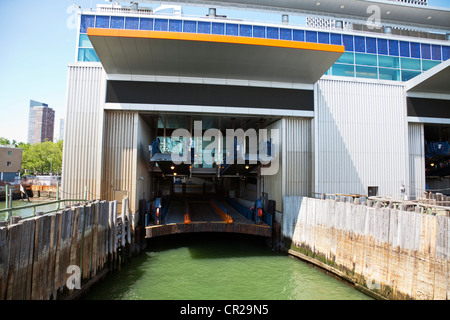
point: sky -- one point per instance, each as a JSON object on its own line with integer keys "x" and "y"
{"x": 38, "y": 42}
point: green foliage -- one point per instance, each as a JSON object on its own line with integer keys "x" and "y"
{"x": 41, "y": 158}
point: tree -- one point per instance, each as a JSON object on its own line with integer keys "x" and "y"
{"x": 7, "y": 142}
{"x": 4, "y": 141}
{"x": 43, "y": 158}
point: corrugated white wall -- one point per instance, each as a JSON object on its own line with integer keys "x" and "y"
{"x": 416, "y": 159}
{"x": 361, "y": 137}
{"x": 83, "y": 131}
{"x": 119, "y": 167}
{"x": 294, "y": 176}
{"x": 298, "y": 155}
{"x": 144, "y": 183}
{"x": 272, "y": 184}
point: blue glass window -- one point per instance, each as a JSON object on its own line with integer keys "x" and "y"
{"x": 245, "y": 30}
{"x": 404, "y": 49}
{"x": 146, "y": 24}
{"x": 204, "y": 27}
{"x": 311, "y": 36}
{"x": 336, "y": 39}
{"x": 324, "y": 37}
{"x": 436, "y": 52}
{"x": 86, "y": 22}
{"x": 161, "y": 24}
{"x": 411, "y": 64}
{"x": 445, "y": 53}
{"x": 117, "y": 22}
{"x": 102, "y": 22}
{"x": 87, "y": 55}
{"x": 388, "y": 74}
{"x": 132, "y": 23}
{"x": 347, "y": 57}
{"x": 407, "y": 75}
{"x": 415, "y": 50}
{"x": 232, "y": 29}
{"x": 343, "y": 70}
{"x": 393, "y": 47}
{"x": 366, "y": 59}
{"x": 426, "y": 52}
{"x": 273, "y": 33}
{"x": 428, "y": 64}
{"x": 285, "y": 34}
{"x": 360, "y": 44}
{"x": 348, "y": 42}
{"x": 366, "y": 72}
{"x": 175, "y": 25}
{"x": 298, "y": 35}
{"x": 190, "y": 26}
{"x": 218, "y": 28}
{"x": 386, "y": 61}
{"x": 84, "y": 41}
{"x": 382, "y": 46}
{"x": 371, "y": 45}
{"x": 259, "y": 31}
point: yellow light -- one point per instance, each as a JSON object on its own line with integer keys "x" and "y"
{"x": 432, "y": 164}
{"x": 172, "y": 167}
{"x": 246, "y": 167}
{"x": 174, "y": 173}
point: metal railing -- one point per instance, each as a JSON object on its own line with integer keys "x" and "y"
{"x": 9, "y": 210}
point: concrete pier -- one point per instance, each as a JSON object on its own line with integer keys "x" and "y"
{"x": 393, "y": 253}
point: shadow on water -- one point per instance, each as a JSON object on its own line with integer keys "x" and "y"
{"x": 213, "y": 245}
{"x": 217, "y": 266}
{"x": 199, "y": 245}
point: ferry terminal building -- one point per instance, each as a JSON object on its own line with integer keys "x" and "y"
{"x": 359, "y": 111}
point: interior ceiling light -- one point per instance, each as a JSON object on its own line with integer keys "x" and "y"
{"x": 342, "y": 7}
{"x": 388, "y": 12}
{"x": 318, "y": 3}
{"x": 429, "y": 17}
{"x": 172, "y": 167}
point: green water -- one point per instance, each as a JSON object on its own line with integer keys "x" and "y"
{"x": 219, "y": 267}
{"x": 27, "y": 212}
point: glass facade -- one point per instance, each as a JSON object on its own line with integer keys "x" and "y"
{"x": 364, "y": 57}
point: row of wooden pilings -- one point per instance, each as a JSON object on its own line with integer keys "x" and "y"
{"x": 60, "y": 255}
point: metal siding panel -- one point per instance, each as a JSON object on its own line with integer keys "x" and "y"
{"x": 298, "y": 155}
{"x": 416, "y": 159}
{"x": 361, "y": 137}
{"x": 82, "y": 131}
{"x": 120, "y": 155}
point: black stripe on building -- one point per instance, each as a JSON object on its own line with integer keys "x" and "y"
{"x": 208, "y": 95}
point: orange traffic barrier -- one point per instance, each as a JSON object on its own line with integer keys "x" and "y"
{"x": 226, "y": 217}
{"x": 187, "y": 217}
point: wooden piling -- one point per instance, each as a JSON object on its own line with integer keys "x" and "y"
{"x": 35, "y": 253}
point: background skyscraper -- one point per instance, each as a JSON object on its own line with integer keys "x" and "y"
{"x": 41, "y": 122}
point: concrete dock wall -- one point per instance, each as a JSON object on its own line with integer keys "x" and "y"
{"x": 393, "y": 253}
{"x": 59, "y": 255}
